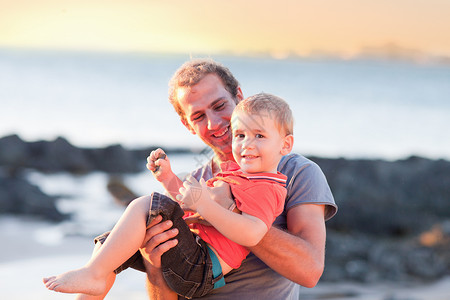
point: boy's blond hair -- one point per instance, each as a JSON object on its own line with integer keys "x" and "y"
{"x": 268, "y": 105}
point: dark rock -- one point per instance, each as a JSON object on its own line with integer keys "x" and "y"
{"x": 424, "y": 263}
{"x": 392, "y": 222}
{"x": 114, "y": 159}
{"x": 18, "y": 196}
{"x": 61, "y": 156}
{"x": 58, "y": 156}
{"x": 120, "y": 192}
{"x": 388, "y": 198}
{"x": 13, "y": 151}
{"x": 371, "y": 259}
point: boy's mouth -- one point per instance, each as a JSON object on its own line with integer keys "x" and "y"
{"x": 248, "y": 157}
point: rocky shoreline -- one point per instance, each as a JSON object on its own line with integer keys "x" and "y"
{"x": 393, "y": 222}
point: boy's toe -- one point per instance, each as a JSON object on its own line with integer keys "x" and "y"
{"x": 49, "y": 281}
{"x": 52, "y": 286}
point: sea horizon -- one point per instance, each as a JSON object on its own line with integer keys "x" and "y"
{"x": 359, "y": 108}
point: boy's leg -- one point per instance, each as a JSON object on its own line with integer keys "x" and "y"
{"x": 92, "y": 278}
{"x": 109, "y": 282}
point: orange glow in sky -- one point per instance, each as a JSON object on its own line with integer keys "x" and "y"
{"x": 238, "y": 27}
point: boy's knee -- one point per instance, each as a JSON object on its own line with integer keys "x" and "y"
{"x": 165, "y": 206}
{"x": 143, "y": 203}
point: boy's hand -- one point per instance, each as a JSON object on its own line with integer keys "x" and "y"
{"x": 221, "y": 193}
{"x": 159, "y": 164}
{"x": 196, "y": 218}
{"x": 193, "y": 194}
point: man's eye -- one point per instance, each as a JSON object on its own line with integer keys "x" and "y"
{"x": 219, "y": 106}
{"x": 197, "y": 118}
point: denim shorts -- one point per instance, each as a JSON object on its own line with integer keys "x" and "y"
{"x": 187, "y": 267}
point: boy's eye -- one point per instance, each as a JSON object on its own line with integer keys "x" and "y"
{"x": 240, "y": 135}
{"x": 259, "y": 136}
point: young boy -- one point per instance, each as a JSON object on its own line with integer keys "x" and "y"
{"x": 262, "y": 128}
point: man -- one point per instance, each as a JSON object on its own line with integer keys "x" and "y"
{"x": 204, "y": 94}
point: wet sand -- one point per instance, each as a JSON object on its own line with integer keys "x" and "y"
{"x": 32, "y": 249}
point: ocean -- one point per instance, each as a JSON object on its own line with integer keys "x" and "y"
{"x": 342, "y": 108}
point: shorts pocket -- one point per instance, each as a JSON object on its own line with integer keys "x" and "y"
{"x": 179, "y": 285}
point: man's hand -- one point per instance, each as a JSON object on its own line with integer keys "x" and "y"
{"x": 157, "y": 232}
{"x": 157, "y": 241}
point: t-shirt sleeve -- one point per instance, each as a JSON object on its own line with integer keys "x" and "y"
{"x": 264, "y": 201}
{"x": 307, "y": 184}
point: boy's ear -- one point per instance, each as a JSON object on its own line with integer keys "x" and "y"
{"x": 288, "y": 143}
{"x": 186, "y": 124}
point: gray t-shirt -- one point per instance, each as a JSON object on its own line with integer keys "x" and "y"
{"x": 306, "y": 183}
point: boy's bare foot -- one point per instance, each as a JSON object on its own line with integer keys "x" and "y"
{"x": 76, "y": 281}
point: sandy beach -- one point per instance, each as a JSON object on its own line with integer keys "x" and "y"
{"x": 33, "y": 249}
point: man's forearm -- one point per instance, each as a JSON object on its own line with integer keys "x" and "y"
{"x": 300, "y": 253}
{"x": 157, "y": 287}
{"x": 289, "y": 256}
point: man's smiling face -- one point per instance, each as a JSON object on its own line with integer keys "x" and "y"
{"x": 208, "y": 107}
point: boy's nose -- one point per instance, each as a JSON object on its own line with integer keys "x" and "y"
{"x": 247, "y": 143}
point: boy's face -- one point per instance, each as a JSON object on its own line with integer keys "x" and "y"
{"x": 258, "y": 144}
{"x": 208, "y": 107}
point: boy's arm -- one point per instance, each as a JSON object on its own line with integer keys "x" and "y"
{"x": 159, "y": 164}
{"x": 243, "y": 229}
{"x": 172, "y": 186}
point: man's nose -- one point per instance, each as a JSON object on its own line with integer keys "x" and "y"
{"x": 213, "y": 121}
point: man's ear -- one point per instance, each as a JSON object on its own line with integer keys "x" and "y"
{"x": 288, "y": 143}
{"x": 186, "y": 124}
{"x": 239, "y": 94}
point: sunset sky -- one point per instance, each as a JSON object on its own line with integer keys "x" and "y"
{"x": 281, "y": 27}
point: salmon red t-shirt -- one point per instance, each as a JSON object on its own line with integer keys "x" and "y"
{"x": 261, "y": 195}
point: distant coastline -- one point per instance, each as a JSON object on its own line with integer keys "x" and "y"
{"x": 385, "y": 52}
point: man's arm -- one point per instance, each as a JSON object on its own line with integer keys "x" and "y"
{"x": 157, "y": 288}
{"x": 298, "y": 254}
{"x": 157, "y": 241}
